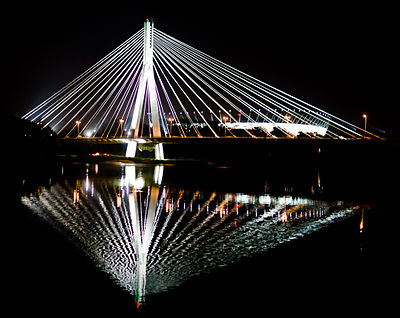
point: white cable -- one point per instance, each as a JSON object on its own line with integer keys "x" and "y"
{"x": 120, "y": 65}
{"x": 103, "y": 74}
{"x": 105, "y": 58}
{"x": 126, "y": 76}
{"x": 166, "y": 58}
{"x": 267, "y": 88}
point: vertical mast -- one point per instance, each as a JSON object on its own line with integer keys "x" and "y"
{"x": 147, "y": 81}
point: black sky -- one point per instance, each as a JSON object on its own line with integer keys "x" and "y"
{"x": 340, "y": 57}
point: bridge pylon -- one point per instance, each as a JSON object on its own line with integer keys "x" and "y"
{"x": 147, "y": 86}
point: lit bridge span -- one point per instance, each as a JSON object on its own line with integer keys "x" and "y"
{"x": 155, "y": 86}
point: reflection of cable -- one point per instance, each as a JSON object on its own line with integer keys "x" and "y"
{"x": 146, "y": 250}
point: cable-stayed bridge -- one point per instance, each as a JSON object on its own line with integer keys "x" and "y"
{"x": 154, "y": 85}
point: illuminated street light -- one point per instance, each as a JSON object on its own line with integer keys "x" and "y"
{"x": 365, "y": 124}
{"x": 78, "y": 122}
{"x": 121, "y": 121}
{"x": 225, "y": 119}
{"x": 170, "y": 119}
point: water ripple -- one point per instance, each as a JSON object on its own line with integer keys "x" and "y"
{"x": 153, "y": 238}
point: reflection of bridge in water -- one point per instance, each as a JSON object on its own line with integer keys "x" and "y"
{"x": 154, "y": 85}
{"x": 150, "y": 236}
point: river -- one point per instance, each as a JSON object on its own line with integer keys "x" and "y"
{"x": 124, "y": 238}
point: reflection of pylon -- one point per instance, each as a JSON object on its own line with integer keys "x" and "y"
{"x": 144, "y": 214}
{"x": 147, "y": 81}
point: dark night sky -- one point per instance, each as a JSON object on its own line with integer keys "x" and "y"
{"x": 342, "y": 58}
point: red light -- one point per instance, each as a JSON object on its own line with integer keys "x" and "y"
{"x": 147, "y": 19}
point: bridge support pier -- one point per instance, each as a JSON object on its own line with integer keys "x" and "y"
{"x": 159, "y": 151}
{"x": 134, "y": 145}
{"x": 131, "y": 148}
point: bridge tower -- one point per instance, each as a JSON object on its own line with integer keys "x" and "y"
{"x": 147, "y": 86}
{"x": 147, "y": 81}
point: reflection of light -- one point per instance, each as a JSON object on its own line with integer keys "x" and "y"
{"x": 362, "y": 221}
{"x": 96, "y": 168}
{"x": 264, "y": 199}
{"x": 121, "y": 240}
{"x": 119, "y": 201}
{"x": 243, "y": 198}
{"x": 169, "y": 205}
{"x": 158, "y": 174}
{"x": 76, "y": 196}
{"x": 130, "y": 176}
{"x": 138, "y": 184}
{"x": 87, "y": 183}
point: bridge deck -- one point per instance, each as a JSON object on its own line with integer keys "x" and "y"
{"x": 238, "y": 149}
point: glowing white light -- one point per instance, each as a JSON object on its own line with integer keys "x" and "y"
{"x": 293, "y": 129}
{"x": 87, "y": 183}
{"x": 130, "y": 176}
{"x": 160, "y": 60}
{"x": 264, "y": 199}
{"x": 140, "y": 140}
{"x": 138, "y": 184}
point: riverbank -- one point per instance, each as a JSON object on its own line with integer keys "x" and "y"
{"x": 317, "y": 165}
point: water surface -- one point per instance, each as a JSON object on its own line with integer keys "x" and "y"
{"x": 159, "y": 235}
